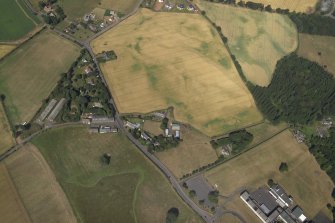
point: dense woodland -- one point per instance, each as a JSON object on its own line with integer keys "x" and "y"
{"x": 324, "y": 151}
{"x": 301, "y": 91}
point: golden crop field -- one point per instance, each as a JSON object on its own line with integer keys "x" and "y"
{"x": 5, "y": 49}
{"x": 311, "y": 45}
{"x": 28, "y": 75}
{"x": 6, "y": 136}
{"x": 255, "y": 167}
{"x": 306, "y": 6}
{"x": 257, "y": 39}
{"x": 11, "y": 207}
{"x": 192, "y": 153}
{"x": 176, "y": 60}
{"x": 41, "y": 195}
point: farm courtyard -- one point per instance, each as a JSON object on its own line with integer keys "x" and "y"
{"x": 176, "y": 60}
{"x": 257, "y": 39}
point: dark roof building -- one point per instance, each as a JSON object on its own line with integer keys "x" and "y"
{"x": 264, "y": 199}
{"x": 298, "y": 213}
{"x": 286, "y": 218}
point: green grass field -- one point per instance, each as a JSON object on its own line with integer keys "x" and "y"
{"x": 257, "y": 39}
{"x": 28, "y": 75}
{"x": 78, "y": 8}
{"x": 130, "y": 189}
{"x": 15, "y": 20}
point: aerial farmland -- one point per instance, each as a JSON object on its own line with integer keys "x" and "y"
{"x": 134, "y": 184}
{"x": 203, "y": 75}
{"x": 24, "y": 22}
{"x": 27, "y": 85}
{"x": 257, "y": 39}
{"x": 167, "y": 111}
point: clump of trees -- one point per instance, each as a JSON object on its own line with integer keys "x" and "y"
{"x": 213, "y": 196}
{"x": 164, "y": 123}
{"x": 55, "y": 16}
{"x": 301, "y": 91}
{"x": 106, "y": 158}
{"x": 238, "y": 139}
{"x": 79, "y": 94}
{"x": 283, "y": 167}
{"x": 172, "y": 215}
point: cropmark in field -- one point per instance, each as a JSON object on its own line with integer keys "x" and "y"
{"x": 28, "y": 75}
{"x": 176, "y": 60}
{"x": 257, "y": 39}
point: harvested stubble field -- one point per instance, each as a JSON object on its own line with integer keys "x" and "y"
{"x": 5, "y": 49}
{"x": 15, "y": 20}
{"x": 257, "y": 39}
{"x": 37, "y": 187}
{"x": 311, "y": 45}
{"x": 6, "y": 135}
{"x": 28, "y": 75}
{"x": 192, "y": 153}
{"x": 138, "y": 191}
{"x": 306, "y": 6}
{"x": 255, "y": 167}
{"x": 176, "y": 60}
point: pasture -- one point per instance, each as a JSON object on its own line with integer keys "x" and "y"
{"x": 15, "y": 20}
{"x": 11, "y": 207}
{"x": 7, "y": 139}
{"x": 253, "y": 168}
{"x": 306, "y": 6}
{"x": 119, "y": 5}
{"x": 78, "y": 8}
{"x": 192, "y": 153}
{"x": 5, "y": 49}
{"x": 320, "y": 49}
{"x": 37, "y": 187}
{"x": 28, "y": 75}
{"x": 141, "y": 192}
{"x": 228, "y": 218}
{"x": 176, "y": 60}
{"x": 257, "y": 39}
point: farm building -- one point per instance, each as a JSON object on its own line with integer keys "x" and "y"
{"x": 281, "y": 197}
{"x": 102, "y": 120}
{"x": 271, "y": 205}
{"x": 145, "y": 136}
{"x": 132, "y": 125}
